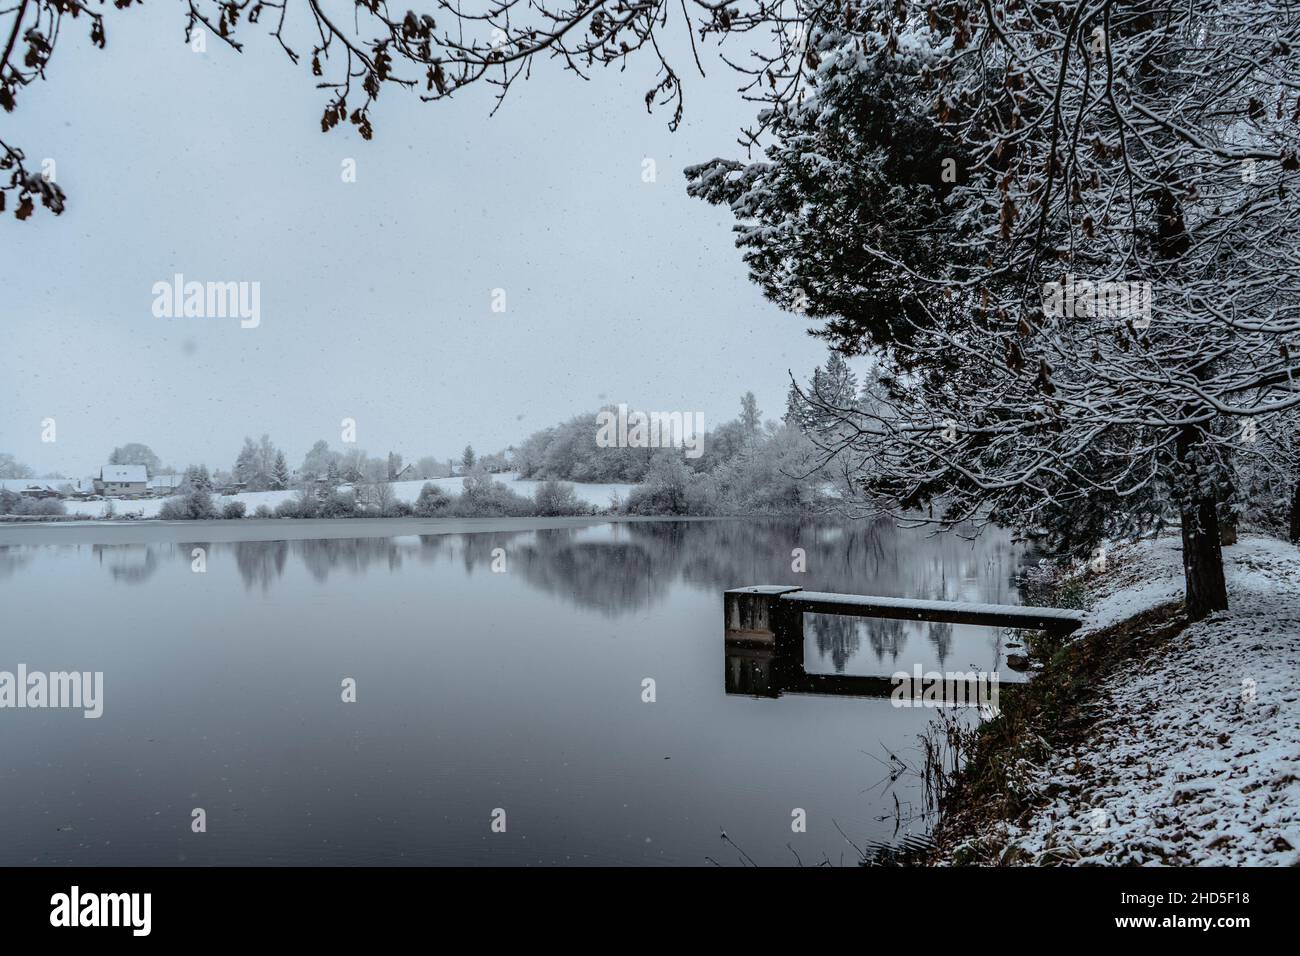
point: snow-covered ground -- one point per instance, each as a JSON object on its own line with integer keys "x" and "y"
{"x": 1198, "y": 760}
{"x": 592, "y": 494}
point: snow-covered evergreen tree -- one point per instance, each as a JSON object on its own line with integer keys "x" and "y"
{"x": 280, "y": 474}
{"x": 1079, "y": 266}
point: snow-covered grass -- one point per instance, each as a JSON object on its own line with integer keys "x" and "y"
{"x": 1196, "y": 759}
{"x": 593, "y": 494}
{"x": 596, "y": 495}
{"x": 1137, "y": 578}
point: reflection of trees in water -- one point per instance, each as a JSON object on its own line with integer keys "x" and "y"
{"x": 624, "y": 568}
{"x": 13, "y": 557}
{"x": 614, "y": 577}
{"x": 940, "y": 638}
{"x": 261, "y": 562}
{"x": 886, "y": 637}
{"x": 434, "y": 546}
{"x": 128, "y": 563}
{"x": 837, "y": 637}
{"x": 476, "y": 549}
{"x": 861, "y": 557}
{"x": 726, "y": 554}
{"x": 357, "y": 555}
{"x": 643, "y": 559}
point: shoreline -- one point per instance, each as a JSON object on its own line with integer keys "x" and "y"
{"x": 139, "y": 531}
{"x": 1146, "y": 739}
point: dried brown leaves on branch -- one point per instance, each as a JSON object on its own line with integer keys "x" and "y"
{"x": 356, "y": 50}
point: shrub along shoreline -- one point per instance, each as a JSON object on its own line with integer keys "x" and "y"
{"x": 483, "y": 497}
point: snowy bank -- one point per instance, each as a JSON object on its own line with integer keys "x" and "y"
{"x": 596, "y": 495}
{"x": 1195, "y": 757}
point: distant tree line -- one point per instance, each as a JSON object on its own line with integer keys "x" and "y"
{"x": 745, "y": 466}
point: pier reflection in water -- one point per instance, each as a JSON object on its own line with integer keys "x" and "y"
{"x": 758, "y": 668}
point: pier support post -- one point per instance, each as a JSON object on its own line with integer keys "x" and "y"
{"x": 756, "y": 615}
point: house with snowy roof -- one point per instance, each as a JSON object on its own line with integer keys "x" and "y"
{"x": 42, "y": 489}
{"x": 122, "y": 480}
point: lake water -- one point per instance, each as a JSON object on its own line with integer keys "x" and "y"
{"x": 477, "y": 690}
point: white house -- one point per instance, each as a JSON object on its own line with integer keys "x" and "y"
{"x": 122, "y": 480}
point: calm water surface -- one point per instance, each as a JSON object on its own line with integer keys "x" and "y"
{"x": 476, "y": 690}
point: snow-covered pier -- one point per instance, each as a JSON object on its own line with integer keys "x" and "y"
{"x": 774, "y": 613}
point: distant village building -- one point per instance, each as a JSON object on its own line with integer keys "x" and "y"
{"x": 161, "y": 486}
{"x": 406, "y": 474}
{"x": 122, "y": 480}
{"x": 41, "y": 489}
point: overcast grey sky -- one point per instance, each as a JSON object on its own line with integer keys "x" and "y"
{"x": 375, "y": 295}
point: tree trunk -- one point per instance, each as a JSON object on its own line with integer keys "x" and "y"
{"x": 1207, "y": 591}
{"x": 1295, "y": 514}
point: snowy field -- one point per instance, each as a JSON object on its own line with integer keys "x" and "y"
{"x": 596, "y": 495}
{"x": 1199, "y": 762}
